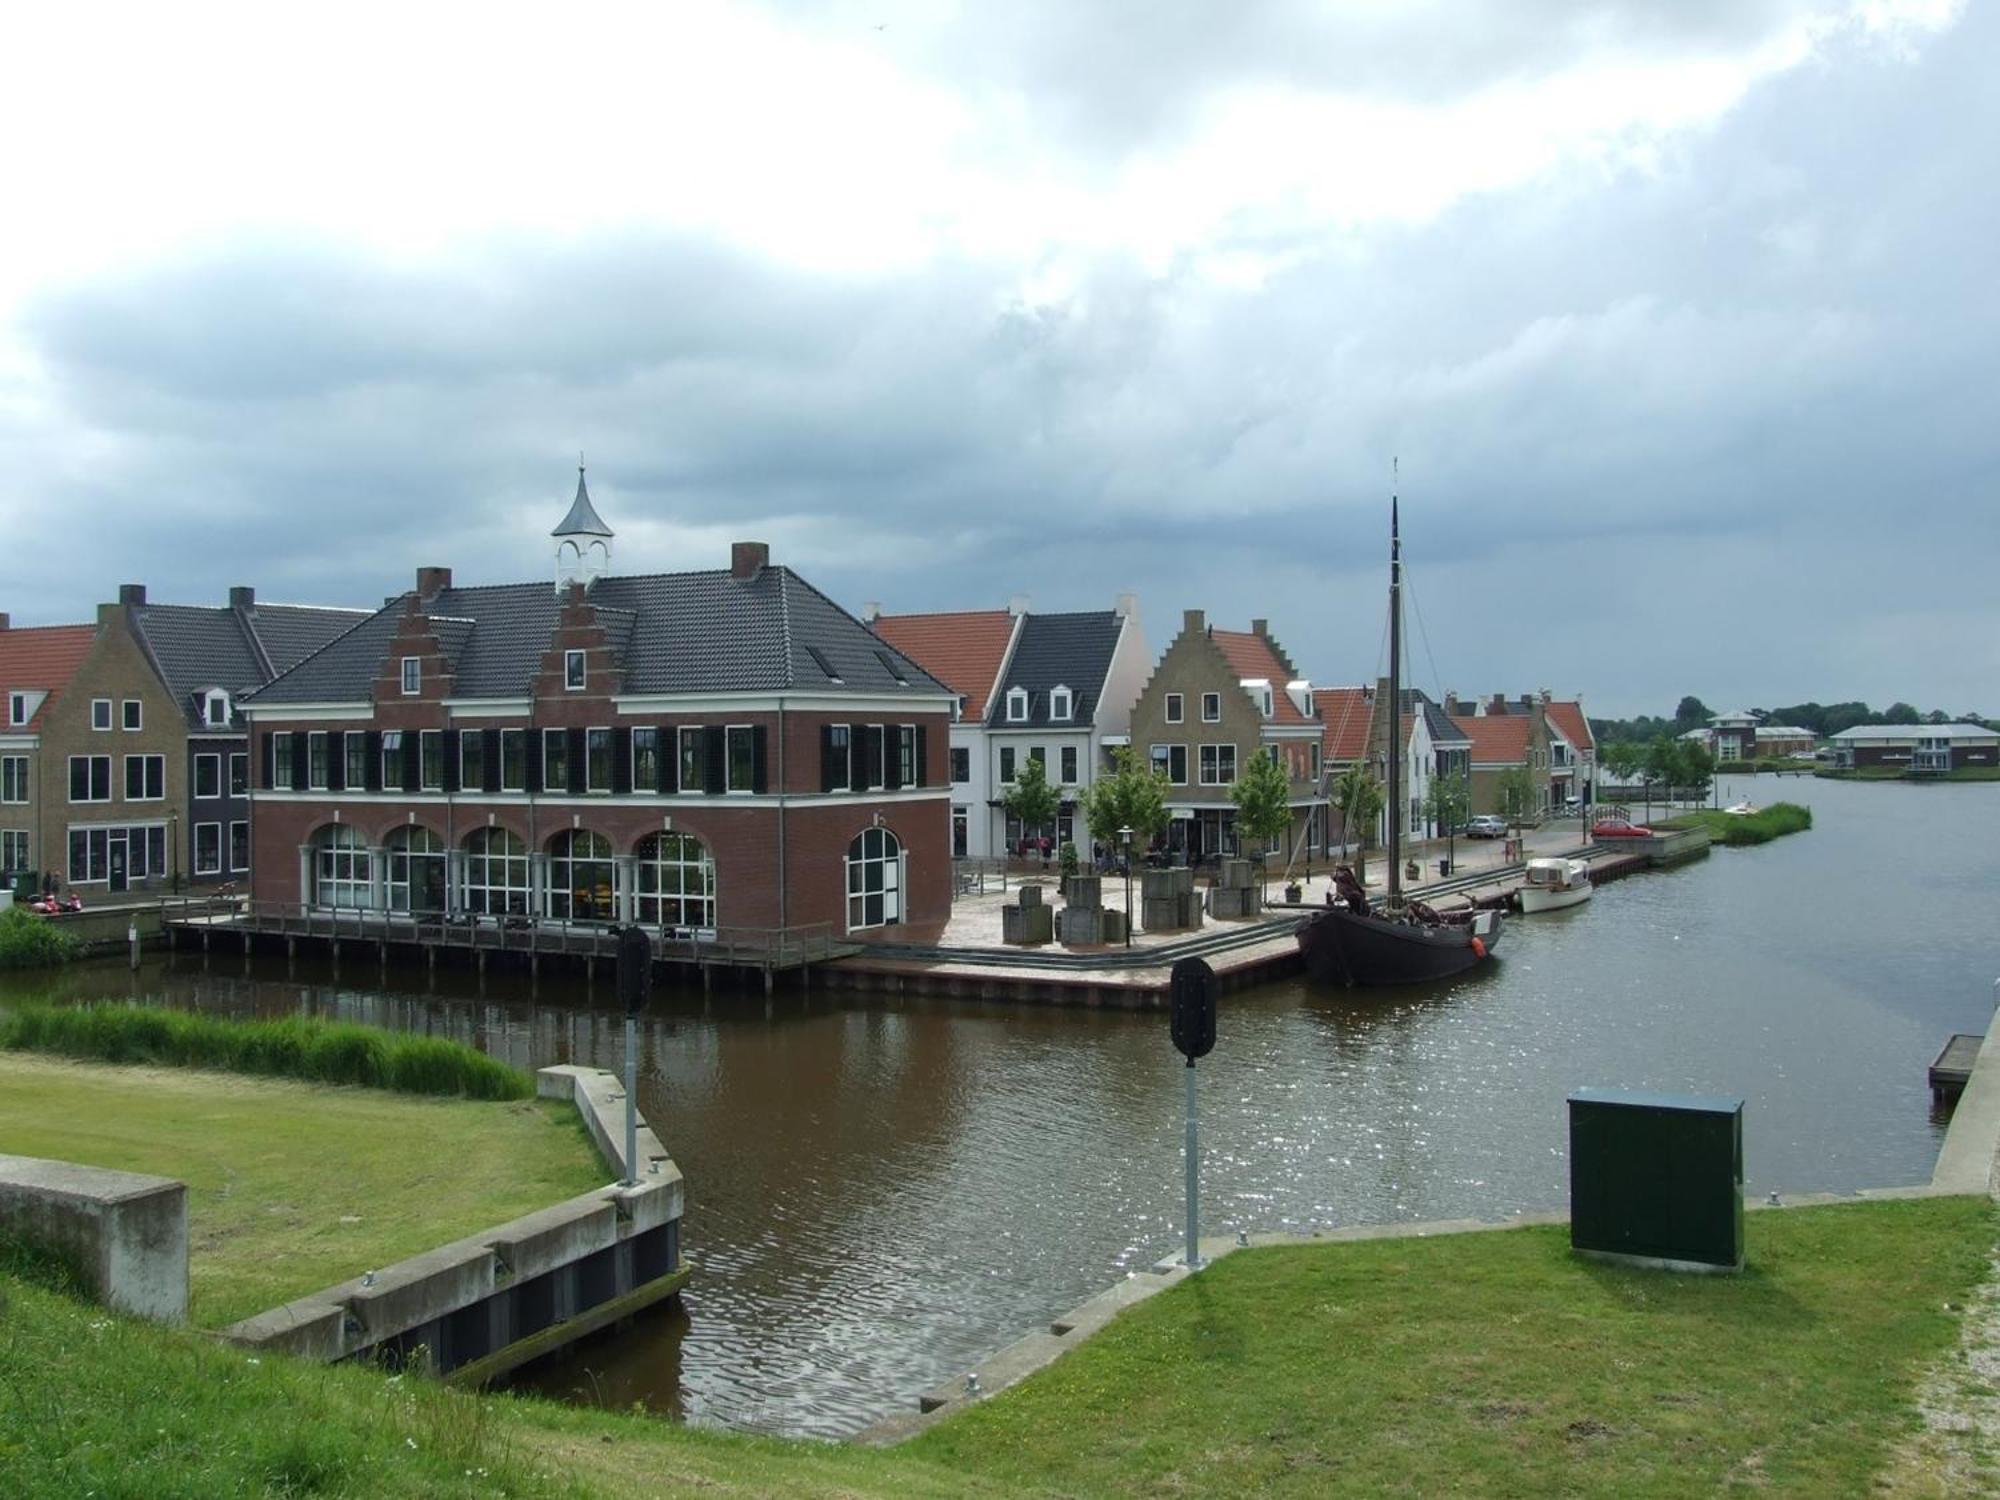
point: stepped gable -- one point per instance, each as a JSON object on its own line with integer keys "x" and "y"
{"x": 964, "y": 649}
{"x": 238, "y": 649}
{"x": 40, "y": 658}
{"x": 1252, "y": 654}
{"x": 1062, "y": 650}
{"x": 671, "y": 633}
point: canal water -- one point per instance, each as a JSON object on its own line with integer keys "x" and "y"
{"x": 881, "y": 1192}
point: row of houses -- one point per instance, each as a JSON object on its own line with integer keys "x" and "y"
{"x": 720, "y": 748}
{"x": 1920, "y": 749}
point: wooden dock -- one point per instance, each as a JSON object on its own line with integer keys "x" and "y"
{"x": 1953, "y": 1068}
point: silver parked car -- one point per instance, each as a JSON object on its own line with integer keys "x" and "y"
{"x": 1487, "y": 826}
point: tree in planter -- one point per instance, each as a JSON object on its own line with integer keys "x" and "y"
{"x": 1263, "y": 798}
{"x": 1517, "y": 794}
{"x": 1359, "y": 796}
{"x": 1031, "y": 800}
{"x": 1130, "y": 795}
{"x": 1446, "y": 802}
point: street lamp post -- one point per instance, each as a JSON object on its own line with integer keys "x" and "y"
{"x": 1125, "y": 838}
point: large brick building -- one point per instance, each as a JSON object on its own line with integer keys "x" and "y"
{"x": 686, "y": 751}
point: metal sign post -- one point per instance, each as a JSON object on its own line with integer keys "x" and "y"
{"x": 1193, "y": 1026}
{"x": 635, "y": 987}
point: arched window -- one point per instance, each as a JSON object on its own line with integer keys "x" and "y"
{"x": 343, "y": 868}
{"x": 874, "y": 880}
{"x": 581, "y": 877}
{"x": 416, "y": 871}
{"x": 676, "y": 882}
{"x": 496, "y": 873}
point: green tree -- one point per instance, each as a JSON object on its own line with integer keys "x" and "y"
{"x": 1263, "y": 798}
{"x": 1130, "y": 795}
{"x": 1694, "y": 767}
{"x": 1900, "y": 713}
{"x": 1691, "y": 713}
{"x": 1359, "y": 796}
{"x": 1622, "y": 759}
{"x": 1031, "y": 799}
{"x": 1658, "y": 765}
{"x": 1446, "y": 802}
{"x": 1517, "y": 793}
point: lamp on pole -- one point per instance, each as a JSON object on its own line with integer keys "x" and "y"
{"x": 1125, "y": 839}
{"x": 174, "y": 838}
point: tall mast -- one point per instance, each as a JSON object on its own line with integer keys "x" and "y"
{"x": 1395, "y": 706}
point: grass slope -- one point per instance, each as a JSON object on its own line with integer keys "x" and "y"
{"x": 1498, "y": 1364}
{"x": 293, "y": 1186}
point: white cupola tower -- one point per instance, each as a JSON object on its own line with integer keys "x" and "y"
{"x": 583, "y": 541}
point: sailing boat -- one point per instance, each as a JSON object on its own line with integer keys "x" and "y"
{"x": 1406, "y": 942}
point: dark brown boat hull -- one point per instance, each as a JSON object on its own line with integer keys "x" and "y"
{"x": 1342, "y": 948}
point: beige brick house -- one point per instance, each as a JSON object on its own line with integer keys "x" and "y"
{"x": 1217, "y": 698}
{"x": 36, "y": 665}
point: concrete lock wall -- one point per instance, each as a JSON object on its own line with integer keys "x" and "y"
{"x": 125, "y": 1234}
{"x": 485, "y": 1304}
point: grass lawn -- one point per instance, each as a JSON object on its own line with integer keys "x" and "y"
{"x": 1483, "y": 1364}
{"x": 1759, "y": 827}
{"x": 293, "y": 1186}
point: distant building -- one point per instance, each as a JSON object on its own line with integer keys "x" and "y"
{"x": 1918, "y": 748}
{"x": 36, "y": 666}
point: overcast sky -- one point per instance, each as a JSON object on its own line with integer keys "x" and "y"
{"x": 1682, "y": 319}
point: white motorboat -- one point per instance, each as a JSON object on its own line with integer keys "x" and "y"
{"x": 1741, "y": 809}
{"x": 1555, "y": 883}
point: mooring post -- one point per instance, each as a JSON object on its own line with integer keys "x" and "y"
{"x": 132, "y": 937}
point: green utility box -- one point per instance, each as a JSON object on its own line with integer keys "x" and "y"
{"x": 25, "y": 884}
{"x": 1656, "y": 1179}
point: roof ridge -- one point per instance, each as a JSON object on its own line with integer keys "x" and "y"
{"x": 326, "y": 646}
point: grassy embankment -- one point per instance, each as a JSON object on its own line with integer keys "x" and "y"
{"x": 1489, "y": 1363}
{"x": 295, "y": 1186}
{"x": 1890, "y": 773}
{"x": 301, "y": 1047}
{"x": 30, "y": 942}
{"x": 1737, "y": 829}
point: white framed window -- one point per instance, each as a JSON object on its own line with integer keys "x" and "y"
{"x": 573, "y": 670}
{"x": 555, "y": 760}
{"x": 1264, "y": 701}
{"x": 132, "y": 713}
{"x": 1218, "y": 765}
{"x": 413, "y": 676}
{"x": 1176, "y": 708}
{"x": 17, "y": 709}
{"x": 513, "y": 760}
{"x": 693, "y": 750}
{"x": 676, "y": 881}
{"x": 1171, "y": 762}
{"x": 239, "y": 847}
{"x": 282, "y": 772}
{"x": 582, "y": 877}
{"x": 145, "y": 778}
{"x": 90, "y": 777}
{"x": 838, "y": 771}
{"x": 1211, "y": 708}
{"x": 316, "y": 760}
{"x": 415, "y": 878}
{"x": 961, "y": 763}
{"x": 343, "y": 868}
{"x": 239, "y": 773}
{"x": 100, "y": 713}
{"x": 1068, "y": 753}
{"x": 597, "y": 760}
{"x": 1006, "y": 764}
{"x": 471, "y": 763}
{"x": 496, "y": 873}
{"x": 908, "y": 772}
{"x": 207, "y": 775}
{"x": 874, "y": 880}
{"x": 430, "y": 760}
{"x": 214, "y": 709}
{"x": 1017, "y": 705}
{"x": 1061, "y": 704}
{"x": 13, "y": 779}
{"x": 208, "y": 848}
{"x": 354, "y": 759}
{"x": 392, "y": 759}
{"x": 14, "y": 850}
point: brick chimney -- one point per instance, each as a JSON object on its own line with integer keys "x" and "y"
{"x": 1193, "y": 622}
{"x": 131, "y": 593}
{"x": 1498, "y": 706}
{"x": 5, "y": 622}
{"x": 243, "y": 597}
{"x": 748, "y": 559}
{"x": 1261, "y": 628}
{"x": 432, "y": 581}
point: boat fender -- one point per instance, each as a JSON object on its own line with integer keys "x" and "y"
{"x": 1478, "y": 948}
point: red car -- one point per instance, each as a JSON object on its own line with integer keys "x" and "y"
{"x": 1618, "y": 828}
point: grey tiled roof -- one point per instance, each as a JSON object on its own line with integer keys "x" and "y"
{"x": 1072, "y": 651}
{"x": 671, "y": 632}
{"x": 1443, "y": 731}
{"x": 196, "y": 647}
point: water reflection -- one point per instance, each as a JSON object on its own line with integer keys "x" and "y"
{"x": 882, "y": 1192}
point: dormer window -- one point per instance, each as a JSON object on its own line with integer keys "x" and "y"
{"x": 1059, "y": 704}
{"x": 1017, "y": 705}
{"x": 215, "y": 709}
{"x": 1264, "y": 701}
{"x": 413, "y": 676}
{"x": 18, "y": 712}
{"x": 573, "y": 670}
